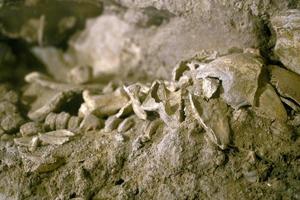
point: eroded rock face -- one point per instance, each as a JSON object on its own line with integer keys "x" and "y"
{"x": 287, "y": 48}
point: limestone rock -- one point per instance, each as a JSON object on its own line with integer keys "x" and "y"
{"x": 270, "y": 105}
{"x": 105, "y": 45}
{"x": 286, "y": 82}
{"x": 287, "y": 48}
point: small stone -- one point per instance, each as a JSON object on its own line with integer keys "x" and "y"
{"x": 111, "y": 123}
{"x": 7, "y": 107}
{"x": 23, "y": 141}
{"x": 119, "y": 137}
{"x": 31, "y": 128}
{"x": 48, "y": 165}
{"x": 251, "y": 176}
{"x": 281, "y": 129}
{"x": 11, "y": 96}
{"x": 11, "y": 122}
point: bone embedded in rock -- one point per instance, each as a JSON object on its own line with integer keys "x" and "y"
{"x": 239, "y": 74}
{"x": 126, "y": 110}
{"x": 58, "y": 137}
{"x": 132, "y": 92}
{"x": 112, "y": 123}
{"x": 31, "y": 128}
{"x": 210, "y": 86}
{"x": 91, "y": 122}
{"x": 52, "y": 105}
{"x": 105, "y": 104}
{"x": 126, "y": 124}
{"x": 150, "y": 127}
{"x": 212, "y": 115}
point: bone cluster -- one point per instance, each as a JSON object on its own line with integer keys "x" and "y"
{"x": 206, "y": 90}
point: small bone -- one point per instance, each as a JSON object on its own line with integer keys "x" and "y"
{"x": 53, "y": 105}
{"x": 136, "y": 104}
{"x": 112, "y": 123}
{"x": 56, "y": 137}
{"x": 126, "y": 124}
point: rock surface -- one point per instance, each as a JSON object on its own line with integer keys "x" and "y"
{"x": 287, "y": 48}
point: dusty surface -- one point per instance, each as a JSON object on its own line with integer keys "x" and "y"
{"x": 149, "y": 100}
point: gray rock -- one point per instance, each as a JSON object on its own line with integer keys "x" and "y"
{"x": 287, "y": 48}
